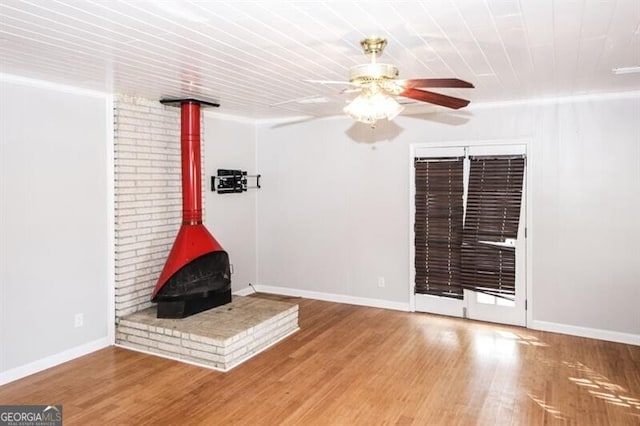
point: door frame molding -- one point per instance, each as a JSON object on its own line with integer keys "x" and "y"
{"x": 413, "y": 148}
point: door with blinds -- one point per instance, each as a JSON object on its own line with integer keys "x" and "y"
{"x": 469, "y": 232}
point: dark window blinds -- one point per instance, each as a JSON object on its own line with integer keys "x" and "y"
{"x": 492, "y": 216}
{"x": 438, "y": 225}
{"x": 450, "y": 257}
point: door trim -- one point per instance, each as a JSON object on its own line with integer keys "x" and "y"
{"x": 414, "y": 150}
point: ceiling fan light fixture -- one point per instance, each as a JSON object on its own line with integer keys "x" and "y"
{"x": 371, "y": 106}
{"x": 393, "y": 108}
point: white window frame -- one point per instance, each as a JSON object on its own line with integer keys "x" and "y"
{"x": 418, "y": 149}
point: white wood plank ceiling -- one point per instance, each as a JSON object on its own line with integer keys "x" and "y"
{"x": 249, "y": 55}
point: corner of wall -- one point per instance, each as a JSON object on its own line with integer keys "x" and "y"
{"x": 257, "y": 207}
{"x": 111, "y": 205}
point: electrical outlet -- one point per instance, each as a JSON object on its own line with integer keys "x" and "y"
{"x": 78, "y": 320}
{"x": 231, "y": 268}
{"x": 381, "y": 282}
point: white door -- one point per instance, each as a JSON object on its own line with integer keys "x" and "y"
{"x": 469, "y": 303}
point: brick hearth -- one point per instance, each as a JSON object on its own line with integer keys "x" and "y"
{"x": 219, "y": 338}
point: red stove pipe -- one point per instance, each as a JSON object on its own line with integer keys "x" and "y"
{"x": 190, "y": 148}
{"x": 193, "y": 239}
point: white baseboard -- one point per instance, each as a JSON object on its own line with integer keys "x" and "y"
{"x": 52, "y": 360}
{"x": 592, "y": 333}
{"x": 244, "y": 291}
{"x": 337, "y": 298}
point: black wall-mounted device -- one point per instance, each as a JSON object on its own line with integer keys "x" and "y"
{"x": 230, "y": 181}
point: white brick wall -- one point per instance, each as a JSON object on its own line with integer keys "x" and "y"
{"x": 148, "y": 201}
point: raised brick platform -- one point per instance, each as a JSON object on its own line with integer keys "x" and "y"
{"x": 219, "y": 338}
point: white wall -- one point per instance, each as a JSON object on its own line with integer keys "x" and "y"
{"x": 231, "y": 218}
{"x": 333, "y": 213}
{"x": 54, "y": 224}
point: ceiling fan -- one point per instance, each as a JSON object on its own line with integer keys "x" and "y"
{"x": 378, "y": 85}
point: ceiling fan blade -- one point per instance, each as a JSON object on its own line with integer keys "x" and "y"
{"x": 312, "y": 99}
{"x": 330, "y": 82}
{"x": 434, "y": 98}
{"x": 435, "y": 82}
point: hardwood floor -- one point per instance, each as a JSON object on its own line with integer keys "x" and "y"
{"x": 356, "y": 365}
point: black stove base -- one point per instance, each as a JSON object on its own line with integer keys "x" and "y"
{"x": 193, "y": 305}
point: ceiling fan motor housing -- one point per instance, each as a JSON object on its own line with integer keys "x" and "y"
{"x": 369, "y": 73}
